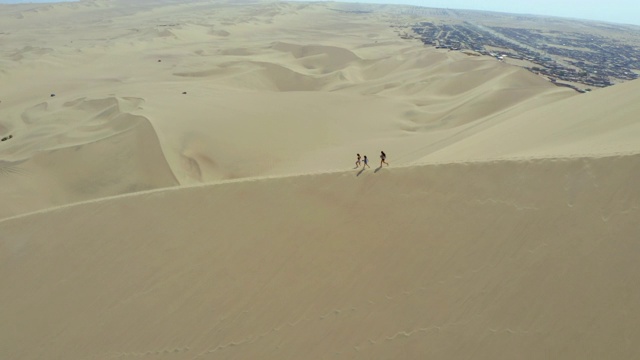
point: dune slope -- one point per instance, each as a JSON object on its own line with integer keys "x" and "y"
{"x": 65, "y": 152}
{"x": 500, "y": 260}
{"x": 601, "y": 122}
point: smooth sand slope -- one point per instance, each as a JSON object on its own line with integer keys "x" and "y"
{"x": 602, "y": 122}
{"x": 506, "y": 226}
{"x": 500, "y": 260}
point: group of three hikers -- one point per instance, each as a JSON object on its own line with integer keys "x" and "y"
{"x": 365, "y": 161}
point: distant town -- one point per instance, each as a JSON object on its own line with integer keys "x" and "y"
{"x": 575, "y": 53}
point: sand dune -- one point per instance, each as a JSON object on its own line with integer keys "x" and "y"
{"x": 529, "y": 259}
{"x": 177, "y": 182}
{"x": 598, "y": 123}
{"x": 58, "y": 159}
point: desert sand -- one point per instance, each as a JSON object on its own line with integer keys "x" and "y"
{"x": 179, "y": 183}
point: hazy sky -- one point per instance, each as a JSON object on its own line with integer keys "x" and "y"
{"x": 619, "y": 11}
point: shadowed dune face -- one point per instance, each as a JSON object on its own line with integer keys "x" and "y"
{"x": 324, "y": 58}
{"x": 29, "y": 51}
{"x": 504, "y": 257}
{"x": 50, "y": 125}
{"x": 79, "y": 150}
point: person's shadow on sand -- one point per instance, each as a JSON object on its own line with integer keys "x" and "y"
{"x": 360, "y": 172}
{"x": 377, "y": 169}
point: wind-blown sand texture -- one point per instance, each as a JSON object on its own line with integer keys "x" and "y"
{"x": 190, "y": 192}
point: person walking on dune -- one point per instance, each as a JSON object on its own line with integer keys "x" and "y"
{"x": 365, "y": 162}
{"x": 357, "y": 161}
{"x": 383, "y": 158}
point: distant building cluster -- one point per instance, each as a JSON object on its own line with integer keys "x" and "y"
{"x": 587, "y": 59}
